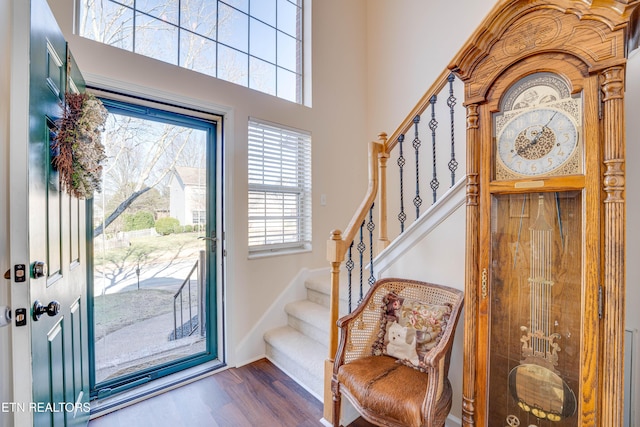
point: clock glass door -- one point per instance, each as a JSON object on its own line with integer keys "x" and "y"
{"x": 535, "y": 304}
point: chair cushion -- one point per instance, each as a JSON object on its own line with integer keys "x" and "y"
{"x": 409, "y": 329}
{"x": 385, "y": 387}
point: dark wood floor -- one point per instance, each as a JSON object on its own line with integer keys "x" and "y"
{"x": 258, "y": 394}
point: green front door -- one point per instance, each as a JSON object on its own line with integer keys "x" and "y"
{"x": 57, "y": 314}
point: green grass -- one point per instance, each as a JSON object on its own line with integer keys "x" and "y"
{"x": 152, "y": 248}
{"x": 115, "y": 311}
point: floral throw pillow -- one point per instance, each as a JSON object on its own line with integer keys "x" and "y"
{"x": 410, "y": 328}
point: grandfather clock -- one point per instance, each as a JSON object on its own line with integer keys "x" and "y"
{"x": 545, "y": 286}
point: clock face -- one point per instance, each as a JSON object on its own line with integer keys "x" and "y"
{"x": 537, "y": 141}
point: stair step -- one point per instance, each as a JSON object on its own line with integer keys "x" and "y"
{"x": 301, "y": 348}
{"x": 299, "y": 356}
{"x": 319, "y": 291}
{"x": 310, "y": 319}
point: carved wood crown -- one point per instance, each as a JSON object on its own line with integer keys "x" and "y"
{"x": 592, "y": 31}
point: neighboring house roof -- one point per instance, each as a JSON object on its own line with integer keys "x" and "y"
{"x": 187, "y": 176}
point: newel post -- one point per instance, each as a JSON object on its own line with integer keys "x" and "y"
{"x": 337, "y": 247}
{"x": 335, "y": 255}
{"x": 383, "y": 156}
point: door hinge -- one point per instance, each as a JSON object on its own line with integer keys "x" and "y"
{"x": 600, "y": 303}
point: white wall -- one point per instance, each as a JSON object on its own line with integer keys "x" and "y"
{"x": 5, "y": 332}
{"x": 177, "y": 205}
{"x": 410, "y": 42}
{"x": 336, "y": 121}
{"x": 439, "y": 258}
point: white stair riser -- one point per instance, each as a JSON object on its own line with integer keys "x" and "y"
{"x": 321, "y": 298}
{"x": 310, "y": 381}
{"x": 312, "y": 331}
{"x": 299, "y": 356}
{"x": 305, "y": 318}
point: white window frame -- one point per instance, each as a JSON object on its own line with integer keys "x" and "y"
{"x": 279, "y": 165}
{"x": 249, "y": 61}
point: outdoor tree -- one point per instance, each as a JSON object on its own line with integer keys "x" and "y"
{"x": 140, "y": 220}
{"x": 141, "y": 155}
{"x": 214, "y": 38}
{"x": 157, "y": 36}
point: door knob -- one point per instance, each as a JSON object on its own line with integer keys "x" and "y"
{"x": 51, "y": 309}
{"x": 39, "y": 269}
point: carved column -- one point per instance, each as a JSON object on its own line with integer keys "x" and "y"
{"x": 471, "y": 260}
{"x": 612, "y": 392}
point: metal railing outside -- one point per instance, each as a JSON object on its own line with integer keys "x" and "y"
{"x": 194, "y": 303}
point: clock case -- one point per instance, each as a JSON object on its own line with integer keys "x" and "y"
{"x": 583, "y": 43}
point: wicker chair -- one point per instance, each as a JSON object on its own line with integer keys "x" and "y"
{"x": 384, "y": 391}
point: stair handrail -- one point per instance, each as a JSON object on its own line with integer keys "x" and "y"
{"x": 177, "y": 295}
{"x": 378, "y": 152}
{"x": 419, "y": 108}
{"x": 336, "y": 249}
{"x": 339, "y": 242}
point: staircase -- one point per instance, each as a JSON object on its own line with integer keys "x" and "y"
{"x": 300, "y": 348}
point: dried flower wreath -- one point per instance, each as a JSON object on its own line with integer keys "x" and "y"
{"x": 78, "y": 144}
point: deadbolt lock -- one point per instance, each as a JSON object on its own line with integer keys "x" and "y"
{"x": 39, "y": 269}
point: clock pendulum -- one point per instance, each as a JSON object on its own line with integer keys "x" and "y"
{"x": 535, "y": 384}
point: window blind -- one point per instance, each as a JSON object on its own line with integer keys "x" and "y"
{"x": 279, "y": 169}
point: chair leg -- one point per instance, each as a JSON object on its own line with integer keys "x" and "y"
{"x": 337, "y": 406}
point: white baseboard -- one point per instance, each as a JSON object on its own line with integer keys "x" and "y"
{"x": 453, "y": 421}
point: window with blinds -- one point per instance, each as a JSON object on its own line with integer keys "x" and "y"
{"x": 279, "y": 188}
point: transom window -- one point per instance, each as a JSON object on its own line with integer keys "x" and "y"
{"x": 254, "y": 43}
{"x": 279, "y": 188}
